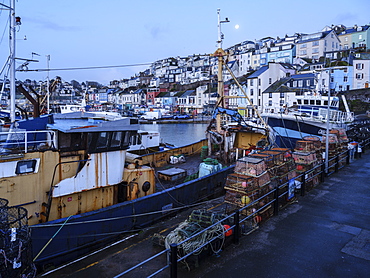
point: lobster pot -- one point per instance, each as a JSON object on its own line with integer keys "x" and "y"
{"x": 333, "y": 139}
{"x": 277, "y": 156}
{"x": 341, "y": 134}
{"x": 287, "y": 153}
{"x": 266, "y": 157}
{"x": 304, "y": 158}
{"x": 242, "y": 198}
{"x": 315, "y": 141}
{"x": 15, "y": 243}
{"x": 263, "y": 180}
{"x": 287, "y": 166}
{"x": 305, "y": 146}
{"x": 241, "y": 182}
{"x": 250, "y": 166}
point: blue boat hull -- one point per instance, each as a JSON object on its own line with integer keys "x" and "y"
{"x": 80, "y": 234}
{"x": 288, "y": 131}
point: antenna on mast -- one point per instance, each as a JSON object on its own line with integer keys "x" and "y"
{"x": 220, "y": 34}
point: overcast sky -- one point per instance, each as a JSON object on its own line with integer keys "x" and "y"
{"x": 89, "y": 33}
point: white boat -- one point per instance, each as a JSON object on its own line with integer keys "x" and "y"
{"x": 308, "y": 118}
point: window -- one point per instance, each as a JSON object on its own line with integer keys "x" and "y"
{"x": 340, "y": 88}
{"x": 315, "y": 43}
{"x": 294, "y": 83}
{"x": 359, "y": 75}
{"x": 303, "y": 52}
{"x": 26, "y": 166}
{"x": 116, "y": 139}
{"x": 282, "y": 95}
{"x": 259, "y": 81}
{"x": 345, "y": 69}
{"x": 259, "y": 92}
{"x": 360, "y": 37}
{"x": 331, "y": 79}
{"x": 318, "y": 102}
{"x": 315, "y": 50}
{"x": 304, "y": 45}
{"x": 300, "y": 83}
{"x": 270, "y": 80}
{"x": 102, "y": 140}
{"x": 312, "y": 102}
{"x": 305, "y": 101}
{"x": 270, "y": 95}
{"x": 281, "y": 102}
{"x": 270, "y": 102}
{"x": 251, "y": 92}
{"x": 323, "y": 81}
{"x": 345, "y": 78}
{"x": 307, "y": 83}
{"x": 359, "y": 66}
{"x": 251, "y": 82}
{"x": 346, "y": 39}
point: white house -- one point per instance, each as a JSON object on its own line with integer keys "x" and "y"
{"x": 313, "y": 46}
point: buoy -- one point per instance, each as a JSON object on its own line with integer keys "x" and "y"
{"x": 246, "y": 200}
{"x": 228, "y": 232}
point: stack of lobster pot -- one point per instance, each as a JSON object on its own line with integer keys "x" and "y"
{"x": 342, "y": 146}
{"x": 307, "y": 157}
{"x": 246, "y": 186}
{"x": 282, "y": 169}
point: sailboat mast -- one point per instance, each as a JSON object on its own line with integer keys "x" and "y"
{"x": 12, "y": 60}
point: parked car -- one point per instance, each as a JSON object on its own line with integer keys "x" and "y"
{"x": 177, "y": 117}
{"x": 167, "y": 116}
{"x": 151, "y": 116}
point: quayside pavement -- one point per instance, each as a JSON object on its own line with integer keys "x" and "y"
{"x": 326, "y": 233}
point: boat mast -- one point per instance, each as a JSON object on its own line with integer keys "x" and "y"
{"x": 12, "y": 60}
{"x": 220, "y": 53}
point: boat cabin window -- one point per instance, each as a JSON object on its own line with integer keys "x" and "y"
{"x": 299, "y": 101}
{"x": 135, "y": 139}
{"x": 25, "y": 166}
{"x": 305, "y": 101}
{"x": 108, "y": 141}
{"x": 102, "y": 140}
{"x": 318, "y": 102}
{"x": 72, "y": 141}
{"x": 116, "y": 139}
{"x": 325, "y": 102}
{"x": 312, "y": 102}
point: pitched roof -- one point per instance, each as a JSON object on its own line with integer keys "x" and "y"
{"x": 258, "y": 72}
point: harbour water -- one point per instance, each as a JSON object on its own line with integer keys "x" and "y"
{"x": 178, "y": 134}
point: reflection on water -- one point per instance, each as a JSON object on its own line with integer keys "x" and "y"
{"x": 178, "y": 134}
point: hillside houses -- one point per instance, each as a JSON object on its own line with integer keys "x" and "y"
{"x": 272, "y": 71}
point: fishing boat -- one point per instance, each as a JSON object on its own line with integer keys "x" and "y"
{"x": 312, "y": 116}
{"x": 71, "y": 175}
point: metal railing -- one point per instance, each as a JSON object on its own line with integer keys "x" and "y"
{"x": 22, "y": 141}
{"x": 320, "y": 171}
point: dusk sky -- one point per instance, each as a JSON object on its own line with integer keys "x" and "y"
{"x": 81, "y": 33}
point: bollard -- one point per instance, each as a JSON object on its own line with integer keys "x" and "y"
{"x": 303, "y": 185}
{"x": 236, "y": 228}
{"x": 323, "y": 172}
{"x": 276, "y": 203}
{"x": 173, "y": 260}
{"x": 348, "y": 156}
